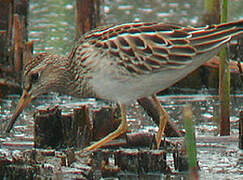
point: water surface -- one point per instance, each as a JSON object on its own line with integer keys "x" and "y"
{"x": 221, "y": 159}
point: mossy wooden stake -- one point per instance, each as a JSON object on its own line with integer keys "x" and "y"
{"x": 190, "y": 143}
{"x": 224, "y": 82}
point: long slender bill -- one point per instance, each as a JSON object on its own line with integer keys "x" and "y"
{"x": 23, "y": 102}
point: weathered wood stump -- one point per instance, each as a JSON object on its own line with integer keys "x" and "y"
{"x": 72, "y": 128}
{"x": 48, "y": 128}
{"x": 76, "y": 126}
{"x": 180, "y": 160}
{"x": 141, "y": 161}
{"x": 114, "y": 163}
{"x": 41, "y": 164}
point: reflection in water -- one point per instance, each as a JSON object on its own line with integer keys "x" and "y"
{"x": 52, "y": 22}
{"x": 52, "y": 25}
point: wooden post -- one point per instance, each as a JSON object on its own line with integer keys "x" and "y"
{"x": 18, "y": 43}
{"x": 213, "y": 15}
{"x": 48, "y": 128}
{"x": 28, "y": 51}
{"x": 87, "y": 16}
{"x": 224, "y": 83}
{"x": 5, "y": 11}
{"x": 13, "y": 34}
{"x": 212, "y": 12}
{"x": 73, "y": 128}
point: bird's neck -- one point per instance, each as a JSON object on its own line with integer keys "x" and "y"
{"x": 76, "y": 83}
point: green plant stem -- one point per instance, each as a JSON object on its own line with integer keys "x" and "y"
{"x": 190, "y": 142}
{"x": 224, "y": 82}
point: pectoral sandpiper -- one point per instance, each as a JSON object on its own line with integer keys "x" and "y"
{"x": 123, "y": 63}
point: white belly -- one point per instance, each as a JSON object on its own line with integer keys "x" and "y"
{"x": 111, "y": 85}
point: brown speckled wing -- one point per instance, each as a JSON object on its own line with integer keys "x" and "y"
{"x": 151, "y": 47}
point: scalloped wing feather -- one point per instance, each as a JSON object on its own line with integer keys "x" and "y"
{"x": 151, "y": 47}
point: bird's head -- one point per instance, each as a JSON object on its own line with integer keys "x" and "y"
{"x": 44, "y": 73}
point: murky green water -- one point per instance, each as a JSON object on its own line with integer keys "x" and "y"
{"x": 52, "y": 24}
{"x": 221, "y": 159}
{"x": 52, "y": 28}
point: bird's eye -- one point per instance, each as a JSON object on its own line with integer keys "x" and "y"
{"x": 34, "y": 77}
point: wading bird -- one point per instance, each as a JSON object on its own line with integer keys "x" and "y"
{"x": 123, "y": 63}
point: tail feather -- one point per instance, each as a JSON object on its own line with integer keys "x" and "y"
{"x": 213, "y": 36}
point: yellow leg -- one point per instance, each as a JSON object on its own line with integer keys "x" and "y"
{"x": 163, "y": 119}
{"x": 119, "y": 131}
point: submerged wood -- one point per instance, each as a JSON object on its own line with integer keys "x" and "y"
{"x": 132, "y": 160}
{"x": 42, "y": 164}
{"x": 53, "y": 164}
{"x": 180, "y": 160}
{"x": 140, "y": 139}
{"x": 149, "y": 106}
{"x": 241, "y": 130}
